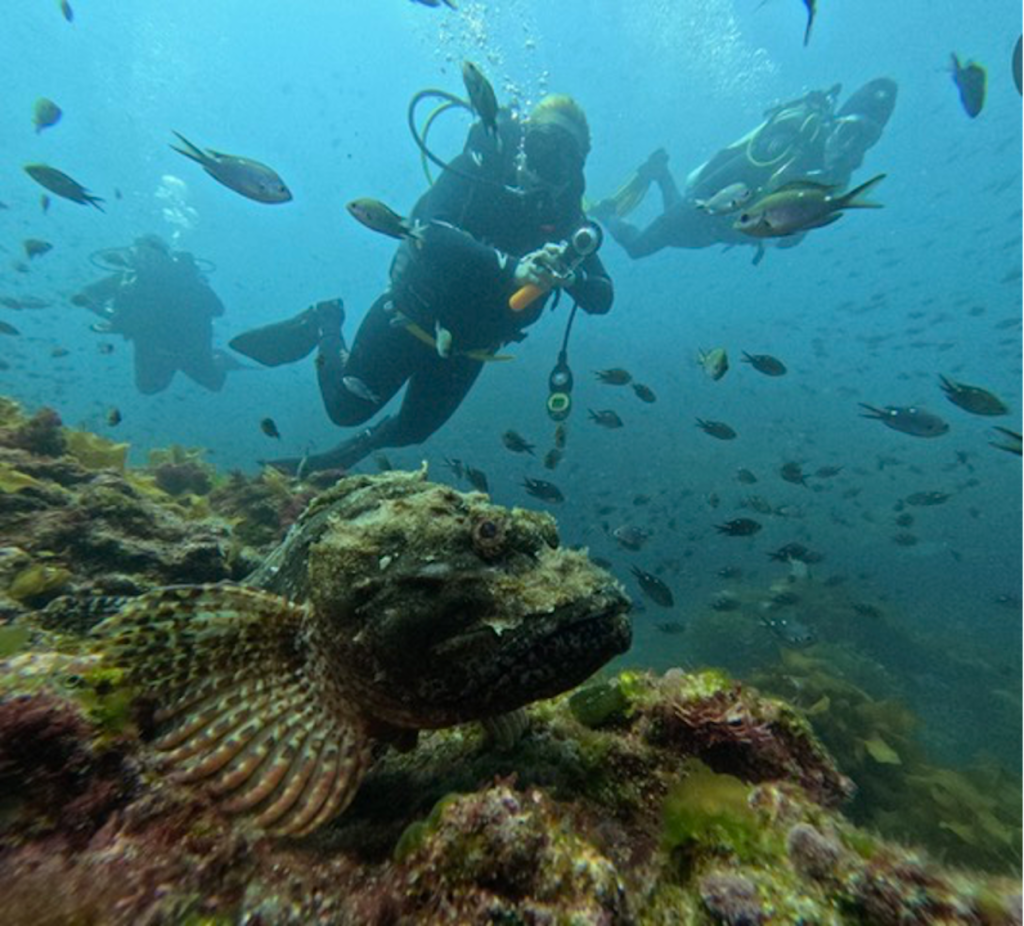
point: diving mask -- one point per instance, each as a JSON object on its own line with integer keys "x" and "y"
{"x": 551, "y": 155}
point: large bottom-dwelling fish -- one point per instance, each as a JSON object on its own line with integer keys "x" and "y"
{"x": 394, "y": 605}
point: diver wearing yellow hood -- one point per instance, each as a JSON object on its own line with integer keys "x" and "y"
{"x": 489, "y": 226}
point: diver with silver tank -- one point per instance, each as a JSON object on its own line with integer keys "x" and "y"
{"x": 805, "y": 139}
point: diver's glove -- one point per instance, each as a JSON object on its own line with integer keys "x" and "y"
{"x": 544, "y": 268}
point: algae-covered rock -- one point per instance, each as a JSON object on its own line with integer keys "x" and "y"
{"x": 503, "y": 856}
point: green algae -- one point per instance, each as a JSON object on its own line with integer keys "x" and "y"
{"x": 95, "y": 452}
{"x": 707, "y": 810}
{"x": 600, "y": 704}
{"x": 14, "y": 480}
{"x": 14, "y": 638}
{"x": 38, "y": 581}
{"x": 416, "y": 834}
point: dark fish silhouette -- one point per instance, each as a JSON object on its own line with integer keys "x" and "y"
{"x": 606, "y": 418}
{"x": 972, "y": 399}
{"x": 269, "y": 427}
{"x": 717, "y": 429}
{"x": 927, "y": 498}
{"x": 970, "y": 80}
{"x": 907, "y": 419}
{"x": 60, "y": 184}
{"x": 482, "y": 99}
{"x": 765, "y": 363}
{"x": 739, "y": 527}
{"x": 812, "y": 9}
{"x": 793, "y": 472}
{"x": 545, "y": 491}
{"x": 1016, "y": 64}
{"x": 644, "y": 393}
{"x": 616, "y": 376}
{"x": 1014, "y": 438}
{"x": 794, "y": 553}
{"x": 34, "y": 247}
{"x": 477, "y": 479}
{"x": 515, "y": 442}
{"x": 654, "y": 588}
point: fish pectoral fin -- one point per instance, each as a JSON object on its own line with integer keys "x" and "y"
{"x": 242, "y": 705}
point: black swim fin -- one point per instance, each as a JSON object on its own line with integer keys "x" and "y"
{"x": 342, "y": 456}
{"x": 291, "y": 340}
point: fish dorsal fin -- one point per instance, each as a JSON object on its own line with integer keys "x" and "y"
{"x": 797, "y": 185}
{"x": 243, "y": 704}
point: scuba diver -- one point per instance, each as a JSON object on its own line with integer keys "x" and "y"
{"x": 497, "y": 225}
{"x": 160, "y": 301}
{"x": 805, "y": 139}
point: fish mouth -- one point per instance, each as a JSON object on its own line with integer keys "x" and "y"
{"x": 556, "y": 651}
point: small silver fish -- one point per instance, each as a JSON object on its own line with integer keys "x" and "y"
{"x": 726, "y": 200}
{"x": 359, "y": 389}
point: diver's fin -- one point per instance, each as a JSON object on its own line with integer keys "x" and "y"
{"x": 852, "y": 199}
{"x": 241, "y": 701}
{"x": 280, "y": 342}
{"x": 629, "y": 196}
{"x": 191, "y": 151}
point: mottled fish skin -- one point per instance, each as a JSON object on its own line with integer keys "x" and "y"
{"x": 394, "y": 605}
{"x": 246, "y": 177}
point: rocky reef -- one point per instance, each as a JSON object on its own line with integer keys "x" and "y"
{"x": 636, "y": 799}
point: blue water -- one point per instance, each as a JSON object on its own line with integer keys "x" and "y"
{"x": 871, "y": 309}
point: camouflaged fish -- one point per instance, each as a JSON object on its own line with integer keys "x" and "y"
{"x": 394, "y": 605}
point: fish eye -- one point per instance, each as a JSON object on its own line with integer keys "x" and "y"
{"x": 489, "y": 535}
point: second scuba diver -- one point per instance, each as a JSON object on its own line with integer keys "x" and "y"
{"x": 806, "y": 139}
{"x": 493, "y": 223}
{"x": 161, "y": 301}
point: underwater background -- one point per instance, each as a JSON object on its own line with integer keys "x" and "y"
{"x": 870, "y": 310}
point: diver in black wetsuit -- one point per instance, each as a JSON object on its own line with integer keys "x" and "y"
{"x": 806, "y": 139}
{"x": 159, "y": 300}
{"x": 487, "y": 227}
